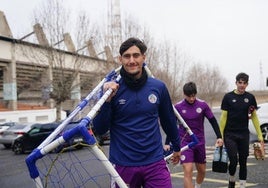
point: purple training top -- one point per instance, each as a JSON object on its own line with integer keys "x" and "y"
{"x": 194, "y": 115}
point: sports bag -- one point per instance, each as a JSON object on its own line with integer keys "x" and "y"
{"x": 220, "y": 160}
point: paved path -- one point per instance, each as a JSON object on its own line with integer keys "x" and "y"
{"x": 257, "y": 173}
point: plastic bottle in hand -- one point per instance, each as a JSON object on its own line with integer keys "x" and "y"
{"x": 216, "y": 156}
{"x": 224, "y": 157}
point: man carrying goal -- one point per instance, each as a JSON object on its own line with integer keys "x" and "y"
{"x": 137, "y": 106}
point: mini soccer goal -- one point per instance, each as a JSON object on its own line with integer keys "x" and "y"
{"x": 88, "y": 167}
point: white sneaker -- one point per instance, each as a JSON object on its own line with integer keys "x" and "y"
{"x": 242, "y": 183}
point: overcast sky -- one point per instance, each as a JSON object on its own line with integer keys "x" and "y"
{"x": 231, "y": 34}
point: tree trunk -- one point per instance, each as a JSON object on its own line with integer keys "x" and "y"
{"x": 58, "y": 111}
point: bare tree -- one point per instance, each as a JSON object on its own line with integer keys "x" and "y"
{"x": 210, "y": 83}
{"x": 60, "y": 81}
{"x": 172, "y": 65}
{"x": 165, "y": 59}
{"x": 132, "y": 28}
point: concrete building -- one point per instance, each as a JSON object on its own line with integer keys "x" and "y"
{"x": 26, "y": 68}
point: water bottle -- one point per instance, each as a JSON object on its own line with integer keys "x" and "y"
{"x": 224, "y": 157}
{"x": 216, "y": 156}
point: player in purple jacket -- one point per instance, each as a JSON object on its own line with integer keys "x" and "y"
{"x": 194, "y": 111}
{"x": 132, "y": 114}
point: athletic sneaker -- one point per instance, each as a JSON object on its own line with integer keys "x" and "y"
{"x": 231, "y": 184}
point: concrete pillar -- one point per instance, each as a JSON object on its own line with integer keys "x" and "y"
{"x": 69, "y": 42}
{"x": 109, "y": 55}
{"x": 50, "y": 102}
{"x": 91, "y": 49}
{"x": 4, "y": 29}
{"x": 10, "y": 82}
{"x": 40, "y": 35}
{"x": 76, "y": 90}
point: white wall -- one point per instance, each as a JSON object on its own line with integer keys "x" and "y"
{"x": 40, "y": 116}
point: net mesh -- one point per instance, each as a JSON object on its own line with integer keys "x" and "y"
{"x": 72, "y": 167}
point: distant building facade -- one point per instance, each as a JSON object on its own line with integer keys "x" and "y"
{"x": 24, "y": 66}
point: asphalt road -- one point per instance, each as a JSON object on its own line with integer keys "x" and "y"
{"x": 14, "y": 172}
{"x": 257, "y": 173}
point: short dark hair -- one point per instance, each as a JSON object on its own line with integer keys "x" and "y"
{"x": 189, "y": 89}
{"x": 242, "y": 76}
{"x": 132, "y": 42}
